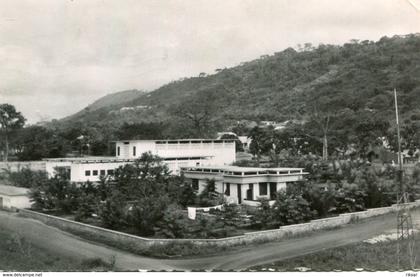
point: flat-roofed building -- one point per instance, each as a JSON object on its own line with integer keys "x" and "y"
{"x": 243, "y": 185}
{"x": 218, "y": 151}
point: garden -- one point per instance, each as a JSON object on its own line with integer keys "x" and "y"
{"x": 144, "y": 199}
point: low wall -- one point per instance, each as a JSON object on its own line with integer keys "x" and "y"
{"x": 143, "y": 245}
{"x": 123, "y": 240}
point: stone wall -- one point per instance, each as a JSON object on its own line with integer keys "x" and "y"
{"x": 143, "y": 245}
{"x": 122, "y": 240}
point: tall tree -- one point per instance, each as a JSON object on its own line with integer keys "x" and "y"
{"x": 321, "y": 117}
{"x": 262, "y": 141}
{"x": 199, "y": 112}
{"x": 10, "y": 120}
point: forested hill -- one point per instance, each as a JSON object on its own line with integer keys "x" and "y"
{"x": 357, "y": 76}
{"x": 109, "y": 101}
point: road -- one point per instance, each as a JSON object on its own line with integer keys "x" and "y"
{"x": 64, "y": 244}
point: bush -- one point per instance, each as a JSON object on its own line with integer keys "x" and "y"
{"x": 25, "y": 178}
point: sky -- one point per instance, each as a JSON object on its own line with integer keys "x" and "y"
{"x": 58, "y": 56}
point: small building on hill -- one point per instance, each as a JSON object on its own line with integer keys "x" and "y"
{"x": 14, "y": 198}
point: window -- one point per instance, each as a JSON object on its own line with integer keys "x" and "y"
{"x": 103, "y": 172}
{"x": 263, "y": 188}
{"x": 110, "y": 172}
{"x": 118, "y": 151}
{"x": 250, "y": 192}
{"x": 95, "y": 173}
{"x": 194, "y": 183}
{"x": 227, "y": 191}
{"x": 87, "y": 173}
{"x": 250, "y": 173}
{"x": 134, "y": 151}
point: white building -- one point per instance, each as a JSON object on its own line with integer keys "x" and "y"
{"x": 243, "y": 185}
{"x": 175, "y": 153}
{"x": 14, "y": 198}
{"x": 218, "y": 152}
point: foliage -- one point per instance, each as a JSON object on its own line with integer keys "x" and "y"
{"x": 355, "y": 78}
{"x": 350, "y": 199}
{"x": 263, "y": 218}
{"x": 113, "y": 211}
{"x": 261, "y": 143}
{"x": 291, "y": 208}
{"x": 10, "y": 121}
{"x": 174, "y": 223}
{"x": 142, "y": 130}
{"x": 209, "y": 197}
{"x": 56, "y": 193}
{"x": 322, "y": 201}
{"x": 36, "y": 142}
{"x": 24, "y": 177}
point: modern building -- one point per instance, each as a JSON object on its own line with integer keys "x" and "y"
{"x": 175, "y": 153}
{"x": 244, "y": 185}
{"x": 218, "y": 151}
{"x": 14, "y": 198}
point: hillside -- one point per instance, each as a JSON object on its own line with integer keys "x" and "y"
{"x": 357, "y": 75}
{"x": 109, "y": 101}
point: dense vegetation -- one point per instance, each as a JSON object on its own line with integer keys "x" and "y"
{"x": 341, "y": 93}
{"x": 144, "y": 199}
{"x": 356, "y": 76}
{"x": 141, "y": 198}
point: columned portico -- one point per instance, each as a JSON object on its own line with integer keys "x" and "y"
{"x": 245, "y": 185}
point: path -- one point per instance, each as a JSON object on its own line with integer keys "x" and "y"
{"x": 65, "y": 244}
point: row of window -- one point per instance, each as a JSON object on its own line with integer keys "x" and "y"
{"x": 101, "y": 172}
{"x": 262, "y": 186}
{"x": 192, "y": 141}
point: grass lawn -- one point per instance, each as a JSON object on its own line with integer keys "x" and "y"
{"x": 18, "y": 254}
{"x": 370, "y": 257}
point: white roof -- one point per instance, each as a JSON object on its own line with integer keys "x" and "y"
{"x": 76, "y": 159}
{"x": 246, "y": 169}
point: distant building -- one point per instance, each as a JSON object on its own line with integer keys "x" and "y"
{"x": 175, "y": 153}
{"x": 243, "y": 185}
{"x": 245, "y": 140}
{"x": 14, "y": 198}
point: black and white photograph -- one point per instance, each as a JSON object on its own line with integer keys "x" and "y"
{"x": 223, "y": 136}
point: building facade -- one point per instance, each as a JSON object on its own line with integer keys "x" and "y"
{"x": 175, "y": 154}
{"x": 243, "y": 185}
{"x": 217, "y": 152}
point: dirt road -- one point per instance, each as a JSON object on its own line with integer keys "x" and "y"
{"x": 65, "y": 244}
